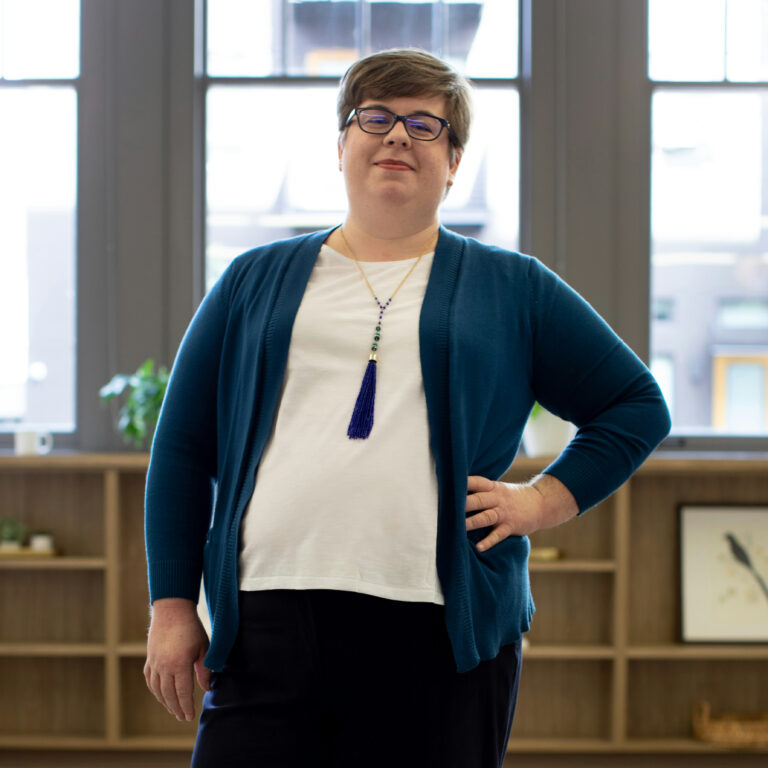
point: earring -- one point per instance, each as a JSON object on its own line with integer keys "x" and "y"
{"x": 339, "y": 164}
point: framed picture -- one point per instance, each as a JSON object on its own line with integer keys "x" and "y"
{"x": 724, "y": 573}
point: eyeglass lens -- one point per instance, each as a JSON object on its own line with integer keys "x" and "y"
{"x": 421, "y": 127}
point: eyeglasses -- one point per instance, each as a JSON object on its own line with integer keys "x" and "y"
{"x": 423, "y": 127}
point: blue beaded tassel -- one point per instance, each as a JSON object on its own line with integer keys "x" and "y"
{"x": 361, "y": 423}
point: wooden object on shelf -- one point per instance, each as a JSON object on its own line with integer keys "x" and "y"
{"x": 545, "y": 554}
{"x": 28, "y": 552}
{"x": 605, "y": 671}
{"x": 730, "y": 730}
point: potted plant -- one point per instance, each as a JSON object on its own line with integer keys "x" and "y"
{"x": 138, "y": 414}
{"x": 546, "y": 434}
{"x": 12, "y": 534}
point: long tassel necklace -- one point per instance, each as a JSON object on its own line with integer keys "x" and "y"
{"x": 361, "y": 423}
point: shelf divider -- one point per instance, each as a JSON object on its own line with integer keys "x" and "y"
{"x": 112, "y": 603}
{"x": 619, "y": 689}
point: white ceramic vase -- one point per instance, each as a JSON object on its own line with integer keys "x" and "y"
{"x": 546, "y": 434}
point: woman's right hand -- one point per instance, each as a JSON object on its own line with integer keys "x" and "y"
{"x": 176, "y": 646}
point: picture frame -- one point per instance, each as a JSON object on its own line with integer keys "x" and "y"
{"x": 723, "y": 573}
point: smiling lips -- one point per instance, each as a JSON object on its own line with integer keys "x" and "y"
{"x": 390, "y": 164}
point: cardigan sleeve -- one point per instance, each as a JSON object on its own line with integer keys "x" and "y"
{"x": 584, "y": 373}
{"x": 182, "y": 468}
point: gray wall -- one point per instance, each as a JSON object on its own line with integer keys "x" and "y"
{"x": 585, "y": 176}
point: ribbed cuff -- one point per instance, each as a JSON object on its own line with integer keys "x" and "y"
{"x": 175, "y": 578}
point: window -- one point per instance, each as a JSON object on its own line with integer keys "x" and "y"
{"x": 268, "y": 178}
{"x": 39, "y": 68}
{"x": 708, "y": 65}
{"x": 740, "y": 391}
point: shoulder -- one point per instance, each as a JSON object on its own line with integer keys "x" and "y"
{"x": 267, "y": 260}
{"x": 482, "y": 259}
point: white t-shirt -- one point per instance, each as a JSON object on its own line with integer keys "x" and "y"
{"x": 328, "y": 512}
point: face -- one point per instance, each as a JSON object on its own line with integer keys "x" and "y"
{"x": 394, "y": 168}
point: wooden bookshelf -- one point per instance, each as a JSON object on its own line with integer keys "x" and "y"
{"x": 604, "y": 673}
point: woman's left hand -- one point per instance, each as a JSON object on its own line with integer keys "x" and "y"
{"x": 516, "y": 509}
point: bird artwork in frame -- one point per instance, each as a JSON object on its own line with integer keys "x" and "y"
{"x": 723, "y": 573}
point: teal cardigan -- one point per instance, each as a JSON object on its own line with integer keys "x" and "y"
{"x": 497, "y": 331}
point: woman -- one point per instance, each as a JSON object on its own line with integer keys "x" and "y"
{"x": 328, "y": 455}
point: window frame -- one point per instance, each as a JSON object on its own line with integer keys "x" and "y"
{"x": 679, "y": 440}
{"x": 65, "y": 440}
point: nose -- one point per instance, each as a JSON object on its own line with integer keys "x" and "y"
{"x": 398, "y": 134}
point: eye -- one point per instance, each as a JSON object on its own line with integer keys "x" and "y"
{"x": 423, "y": 125}
{"x": 375, "y": 119}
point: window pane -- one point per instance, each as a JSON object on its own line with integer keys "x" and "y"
{"x": 745, "y": 401}
{"x": 39, "y": 39}
{"x": 266, "y": 178}
{"x": 707, "y": 177}
{"x": 709, "y": 241}
{"x": 239, "y": 38}
{"x": 322, "y": 37}
{"x": 250, "y": 38}
{"x": 481, "y": 39}
{"x": 270, "y": 179}
{"x": 38, "y": 150}
{"x": 686, "y": 39}
{"x": 663, "y": 370}
{"x": 401, "y": 25}
{"x": 747, "y": 43}
{"x": 484, "y": 201}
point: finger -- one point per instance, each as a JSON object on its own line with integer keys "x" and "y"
{"x": 156, "y": 688}
{"x": 485, "y": 499}
{"x": 168, "y": 688}
{"x": 483, "y": 519}
{"x": 491, "y": 540}
{"x": 479, "y": 483}
{"x": 185, "y": 686}
{"x": 203, "y": 675}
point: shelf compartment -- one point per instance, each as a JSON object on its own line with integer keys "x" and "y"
{"x": 653, "y": 538}
{"x": 595, "y": 535}
{"x": 572, "y": 607}
{"x": 49, "y": 606}
{"x": 576, "y": 705}
{"x": 27, "y": 707}
{"x": 143, "y": 716}
{"x": 665, "y": 691}
{"x": 69, "y": 505}
{"x": 133, "y": 589}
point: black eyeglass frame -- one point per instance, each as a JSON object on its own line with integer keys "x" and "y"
{"x": 355, "y": 113}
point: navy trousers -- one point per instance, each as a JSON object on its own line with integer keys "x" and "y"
{"x": 335, "y": 679}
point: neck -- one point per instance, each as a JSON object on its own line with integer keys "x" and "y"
{"x": 367, "y": 245}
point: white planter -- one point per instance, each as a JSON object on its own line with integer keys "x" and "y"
{"x": 547, "y": 435}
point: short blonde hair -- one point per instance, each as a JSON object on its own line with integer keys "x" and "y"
{"x": 408, "y": 72}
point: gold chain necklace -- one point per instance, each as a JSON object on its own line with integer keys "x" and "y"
{"x": 361, "y": 423}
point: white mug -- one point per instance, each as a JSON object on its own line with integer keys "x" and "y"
{"x": 30, "y": 443}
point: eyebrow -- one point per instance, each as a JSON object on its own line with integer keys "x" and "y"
{"x": 387, "y": 109}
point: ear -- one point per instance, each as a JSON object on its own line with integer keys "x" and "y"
{"x": 455, "y": 159}
{"x": 340, "y": 143}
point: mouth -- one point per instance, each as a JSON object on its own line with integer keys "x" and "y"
{"x": 390, "y": 164}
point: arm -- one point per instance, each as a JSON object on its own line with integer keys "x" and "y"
{"x": 178, "y": 501}
{"x": 583, "y": 372}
